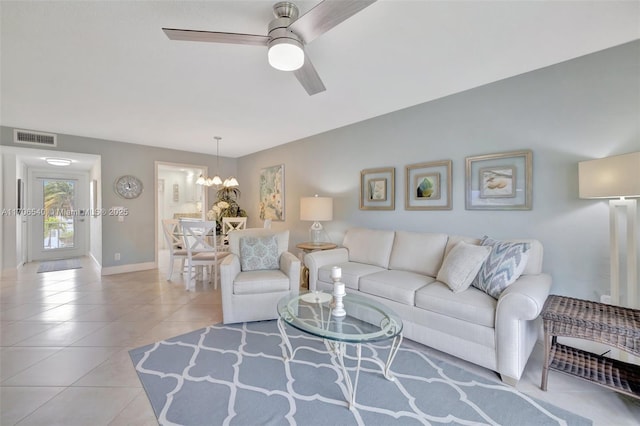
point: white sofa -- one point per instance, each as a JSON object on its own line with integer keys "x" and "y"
{"x": 399, "y": 268}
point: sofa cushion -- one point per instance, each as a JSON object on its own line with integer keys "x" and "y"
{"x": 260, "y": 282}
{"x": 461, "y": 265}
{"x": 259, "y": 253}
{"x": 399, "y": 286}
{"x": 503, "y": 266}
{"x": 473, "y": 305}
{"x": 351, "y": 273}
{"x": 418, "y": 252}
{"x": 370, "y": 246}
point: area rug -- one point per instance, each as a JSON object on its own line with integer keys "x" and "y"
{"x": 59, "y": 265}
{"x": 236, "y": 375}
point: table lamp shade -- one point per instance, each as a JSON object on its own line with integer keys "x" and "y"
{"x": 610, "y": 177}
{"x": 316, "y": 208}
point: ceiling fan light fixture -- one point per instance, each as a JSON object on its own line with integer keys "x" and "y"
{"x": 286, "y": 54}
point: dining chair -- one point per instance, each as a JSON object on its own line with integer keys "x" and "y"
{"x": 201, "y": 242}
{"x": 175, "y": 244}
{"x": 233, "y": 223}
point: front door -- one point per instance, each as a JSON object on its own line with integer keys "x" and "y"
{"x": 58, "y": 216}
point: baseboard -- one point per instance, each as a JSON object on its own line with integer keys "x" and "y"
{"x": 134, "y": 267}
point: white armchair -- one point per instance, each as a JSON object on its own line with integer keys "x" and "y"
{"x": 257, "y": 273}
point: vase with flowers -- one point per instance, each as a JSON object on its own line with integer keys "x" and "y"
{"x": 226, "y": 205}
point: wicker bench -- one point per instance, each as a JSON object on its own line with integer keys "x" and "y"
{"x": 615, "y": 326}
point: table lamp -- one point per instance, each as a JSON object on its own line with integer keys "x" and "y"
{"x": 617, "y": 178}
{"x": 316, "y": 209}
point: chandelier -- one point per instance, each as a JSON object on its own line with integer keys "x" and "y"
{"x": 216, "y": 181}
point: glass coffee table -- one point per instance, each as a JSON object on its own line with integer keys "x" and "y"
{"x": 366, "y": 321}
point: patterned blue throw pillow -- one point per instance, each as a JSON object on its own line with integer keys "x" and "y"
{"x": 505, "y": 264}
{"x": 259, "y": 253}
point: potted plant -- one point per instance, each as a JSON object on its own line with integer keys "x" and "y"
{"x": 226, "y": 205}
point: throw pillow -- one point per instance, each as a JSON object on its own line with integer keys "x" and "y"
{"x": 259, "y": 253}
{"x": 503, "y": 266}
{"x": 461, "y": 265}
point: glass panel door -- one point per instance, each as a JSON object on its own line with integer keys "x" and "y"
{"x": 59, "y": 212}
{"x": 59, "y": 222}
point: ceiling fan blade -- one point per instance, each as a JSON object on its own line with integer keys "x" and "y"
{"x": 326, "y": 15}
{"x": 216, "y": 37}
{"x": 309, "y": 78}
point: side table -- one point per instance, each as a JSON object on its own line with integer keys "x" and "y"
{"x": 611, "y": 325}
{"x": 308, "y": 248}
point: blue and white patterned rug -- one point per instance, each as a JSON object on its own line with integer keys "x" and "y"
{"x": 236, "y": 375}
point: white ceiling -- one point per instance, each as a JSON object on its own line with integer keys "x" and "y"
{"x": 105, "y": 69}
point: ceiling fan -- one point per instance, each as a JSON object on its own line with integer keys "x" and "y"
{"x": 286, "y": 36}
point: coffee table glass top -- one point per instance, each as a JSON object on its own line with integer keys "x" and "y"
{"x": 366, "y": 319}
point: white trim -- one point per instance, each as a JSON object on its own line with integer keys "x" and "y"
{"x": 133, "y": 267}
{"x": 205, "y": 171}
{"x": 95, "y": 261}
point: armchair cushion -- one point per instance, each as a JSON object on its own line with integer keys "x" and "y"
{"x": 260, "y": 282}
{"x": 259, "y": 253}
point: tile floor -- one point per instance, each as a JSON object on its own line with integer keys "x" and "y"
{"x": 65, "y": 336}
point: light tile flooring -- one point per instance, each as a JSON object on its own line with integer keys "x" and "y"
{"x": 65, "y": 336}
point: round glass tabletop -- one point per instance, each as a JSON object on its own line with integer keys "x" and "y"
{"x": 366, "y": 319}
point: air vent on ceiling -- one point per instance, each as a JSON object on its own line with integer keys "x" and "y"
{"x": 34, "y": 138}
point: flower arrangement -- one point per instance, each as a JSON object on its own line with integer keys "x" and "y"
{"x": 226, "y": 205}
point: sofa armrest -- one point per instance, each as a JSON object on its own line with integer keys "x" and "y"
{"x": 290, "y": 265}
{"x": 516, "y": 327}
{"x": 229, "y": 269}
{"x": 524, "y": 299}
{"x": 317, "y": 259}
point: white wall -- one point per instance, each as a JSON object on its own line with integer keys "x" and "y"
{"x": 581, "y": 109}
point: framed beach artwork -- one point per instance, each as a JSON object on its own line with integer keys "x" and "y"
{"x": 499, "y": 181}
{"x": 428, "y": 186}
{"x": 272, "y": 193}
{"x": 377, "y": 189}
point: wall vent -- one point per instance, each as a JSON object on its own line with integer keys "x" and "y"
{"x": 34, "y": 138}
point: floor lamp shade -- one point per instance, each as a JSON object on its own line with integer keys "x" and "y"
{"x": 316, "y": 209}
{"x": 611, "y": 177}
{"x": 617, "y": 178}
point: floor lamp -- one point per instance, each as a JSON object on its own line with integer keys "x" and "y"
{"x": 316, "y": 209}
{"x": 617, "y": 178}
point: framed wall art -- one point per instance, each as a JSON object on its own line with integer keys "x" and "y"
{"x": 272, "y": 193}
{"x": 176, "y": 193}
{"x": 428, "y": 186}
{"x": 377, "y": 189}
{"x": 499, "y": 181}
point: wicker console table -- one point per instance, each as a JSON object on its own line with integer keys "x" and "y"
{"x": 611, "y": 325}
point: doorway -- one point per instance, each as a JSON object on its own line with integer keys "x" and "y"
{"x": 57, "y": 215}
{"x": 178, "y": 196}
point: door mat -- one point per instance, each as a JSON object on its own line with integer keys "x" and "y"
{"x": 59, "y": 265}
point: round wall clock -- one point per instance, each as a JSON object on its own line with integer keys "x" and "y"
{"x": 128, "y": 186}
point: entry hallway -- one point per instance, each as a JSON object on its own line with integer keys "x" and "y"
{"x": 65, "y": 338}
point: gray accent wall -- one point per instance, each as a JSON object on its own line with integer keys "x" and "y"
{"x": 134, "y": 238}
{"x": 581, "y": 109}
